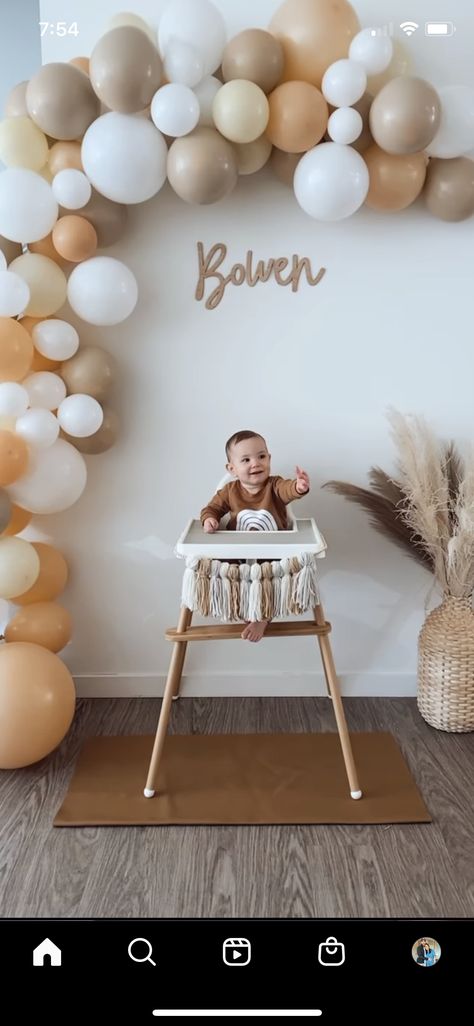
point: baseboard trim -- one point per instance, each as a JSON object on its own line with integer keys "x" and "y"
{"x": 375, "y": 685}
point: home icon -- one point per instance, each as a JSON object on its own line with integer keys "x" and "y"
{"x": 47, "y": 953}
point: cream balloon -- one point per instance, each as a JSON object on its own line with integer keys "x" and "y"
{"x": 55, "y": 480}
{"x": 80, "y": 415}
{"x": 240, "y": 111}
{"x": 55, "y": 339}
{"x": 102, "y": 291}
{"x": 45, "y": 390}
{"x": 22, "y": 144}
{"x": 124, "y": 157}
{"x": 14, "y": 294}
{"x": 28, "y": 209}
{"x": 71, "y": 188}
{"x": 46, "y": 282}
{"x": 19, "y": 567}
{"x": 14, "y": 399}
{"x": 38, "y": 427}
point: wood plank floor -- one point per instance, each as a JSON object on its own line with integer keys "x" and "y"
{"x": 423, "y": 870}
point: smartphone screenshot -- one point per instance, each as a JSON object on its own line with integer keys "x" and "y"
{"x": 236, "y": 507}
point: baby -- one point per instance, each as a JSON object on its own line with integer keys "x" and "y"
{"x": 256, "y": 501}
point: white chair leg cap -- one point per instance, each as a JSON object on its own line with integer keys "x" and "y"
{"x": 356, "y": 794}
{"x": 175, "y": 698}
{"x": 148, "y": 793}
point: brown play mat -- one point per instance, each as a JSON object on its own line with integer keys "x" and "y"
{"x": 240, "y": 778}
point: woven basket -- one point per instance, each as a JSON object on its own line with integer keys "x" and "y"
{"x": 446, "y": 666}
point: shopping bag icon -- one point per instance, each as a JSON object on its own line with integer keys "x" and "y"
{"x": 331, "y": 952}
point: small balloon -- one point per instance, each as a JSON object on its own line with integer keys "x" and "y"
{"x": 80, "y": 415}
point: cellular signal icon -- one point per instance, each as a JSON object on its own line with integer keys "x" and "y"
{"x": 409, "y": 27}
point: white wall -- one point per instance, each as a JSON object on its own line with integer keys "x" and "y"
{"x": 391, "y": 323}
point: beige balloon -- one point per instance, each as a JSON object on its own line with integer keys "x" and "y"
{"x": 10, "y": 249}
{"x": 37, "y": 700}
{"x": 405, "y": 115}
{"x": 298, "y": 116}
{"x": 107, "y": 217}
{"x": 65, "y": 155}
{"x": 46, "y": 281}
{"x": 125, "y": 69}
{"x": 240, "y": 111}
{"x": 5, "y": 509}
{"x": 128, "y": 18}
{"x": 102, "y": 440}
{"x": 395, "y": 181}
{"x": 19, "y": 566}
{"x": 254, "y": 55}
{"x": 91, "y": 372}
{"x": 41, "y": 623}
{"x": 401, "y": 64}
{"x": 314, "y": 34}
{"x": 61, "y": 100}
{"x": 15, "y": 103}
{"x": 202, "y": 166}
{"x": 22, "y": 144}
{"x": 365, "y": 138}
{"x": 284, "y": 165}
{"x": 449, "y": 190}
{"x": 252, "y": 156}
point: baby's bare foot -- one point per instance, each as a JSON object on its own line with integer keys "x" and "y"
{"x": 255, "y": 630}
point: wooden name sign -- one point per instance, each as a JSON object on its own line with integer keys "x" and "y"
{"x": 284, "y": 271}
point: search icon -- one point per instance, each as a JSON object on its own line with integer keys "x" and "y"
{"x": 147, "y": 957}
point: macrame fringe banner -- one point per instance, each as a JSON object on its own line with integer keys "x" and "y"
{"x": 250, "y": 591}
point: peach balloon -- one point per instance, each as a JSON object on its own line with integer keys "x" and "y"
{"x": 45, "y": 247}
{"x": 13, "y": 457}
{"x": 395, "y": 181}
{"x": 314, "y": 34}
{"x": 42, "y": 623}
{"x": 80, "y": 62}
{"x": 19, "y": 519}
{"x": 52, "y": 577}
{"x": 16, "y": 350}
{"x": 63, "y": 155}
{"x": 41, "y": 363}
{"x": 298, "y": 116}
{"x": 74, "y": 238}
{"x": 37, "y": 701}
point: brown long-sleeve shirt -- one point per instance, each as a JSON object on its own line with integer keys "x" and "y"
{"x": 273, "y": 496}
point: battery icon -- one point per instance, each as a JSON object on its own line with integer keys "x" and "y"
{"x": 439, "y": 28}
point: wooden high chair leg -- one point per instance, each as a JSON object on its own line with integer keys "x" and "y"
{"x": 173, "y": 681}
{"x": 333, "y": 687}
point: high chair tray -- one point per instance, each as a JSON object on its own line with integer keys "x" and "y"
{"x": 303, "y": 537}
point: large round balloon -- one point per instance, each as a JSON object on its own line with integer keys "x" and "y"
{"x": 102, "y": 290}
{"x": 91, "y": 371}
{"x": 22, "y": 144}
{"x": 395, "y": 181}
{"x": 314, "y": 34}
{"x": 198, "y": 23}
{"x": 38, "y": 427}
{"x": 37, "y": 700}
{"x": 254, "y": 55}
{"x": 298, "y": 116}
{"x": 124, "y": 157}
{"x": 405, "y": 115}
{"x": 28, "y": 209}
{"x": 19, "y": 566}
{"x": 449, "y": 190}
{"x": 46, "y": 282}
{"x": 61, "y": 100}
{"x": 455, "y": 135}
{"x": 52, "y": 577}
{"x": 41, "y": 623}
{"x": 240, "y": 111}
{"x": 13, "y": 399}
{"x": 331, "y": 182}
{"x": 55, "y": 480}
{"x": 202, "y": 166}
{"x": 16, "y": 350}
{"x": 125, "y": 69}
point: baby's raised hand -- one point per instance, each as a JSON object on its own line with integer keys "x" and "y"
{"x": 210, "y": 525}
{"x": 302, "y": 481}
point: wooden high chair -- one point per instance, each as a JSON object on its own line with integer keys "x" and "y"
{"x": 302, "y": 540}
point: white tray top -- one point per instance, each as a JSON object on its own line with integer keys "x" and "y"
{"x": 304, "y": 537}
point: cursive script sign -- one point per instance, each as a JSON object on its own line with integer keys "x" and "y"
{"x": 285, "y": 271}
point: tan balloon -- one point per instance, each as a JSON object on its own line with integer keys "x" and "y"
{"x": 41, "y": 623}
{"x": 240, "y": 111}
{"x": 298, "y": 116}
{"x": 449, "y": 190}
{"x": 16, "y": 350}
{"x": 10, "y": 249}
{"x": 395, "y": 181}
{"x": 52, "y": 577}
{"x": 202, "y": 166}
{"x": 252, "y": 156}
{"x": 90, "y": 372}
{"x": 80, "y": 62}
{"x": 125, "y": 69}
{"x": 405, "y": 115}
{"x": 74, "y": 238}
{"x": 284, "y": 165}
{"x": 13, "y": 457}
{"x": 64, "y": 155}
{"x": 15, "y": 103}
{"x": 19, "y": 519}
{"x": 254, "y": 55}
{"x": 37, "y": 701}
{"x": 102, "y": 440}
{"x": 46, "y": 281}
{"x": 314, "y": 34}
{"x": 365, "y": 138}
{"x": 45, "y": 247}
{"x": 19, "y": 566}
{"x": 401, "y": 64}
{"x": 61, "y": 100}
{"x": 107, "y": 217}
{"x": 22, "y": 143}
{"x": 5, "y": 510}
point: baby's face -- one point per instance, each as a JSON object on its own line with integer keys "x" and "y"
{"x": 250, "y": 462}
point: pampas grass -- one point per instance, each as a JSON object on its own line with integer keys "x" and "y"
{"x": 427, "y": 508}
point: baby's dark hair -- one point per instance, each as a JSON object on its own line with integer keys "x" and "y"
{"x": 240, "y": 436}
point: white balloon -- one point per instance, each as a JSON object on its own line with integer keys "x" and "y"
{"x": 175, "y": 109}
{"x": 80, "y": 415}
{"x": 45, "y": 389}
{"x": 198, "y": 23}
{"x": 205, "y": 92}
{"x": 55, "y": 339}
{"x": 14, "y": 399}
{"x": 183, "y": 63}
{"x": 331, "y": 182}
{"x": 28, "y": 209}
{"x": 14, "y": 294}
{"x": 102, "y": 290}
{"x": 371, "y": 49}
{"x": 38, "y": 427}
{"x": 345, "y": 125}
{"x": 71, "y": 188}
{"x": 19, "y": 566}
{"x": 124, "y": 156}
{"x": 455, "y": 135}
{"x": 56, "y": 478}
{"x": 344, "y": 83}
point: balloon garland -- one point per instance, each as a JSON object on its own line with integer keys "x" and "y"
{"x": 331, "y": 108}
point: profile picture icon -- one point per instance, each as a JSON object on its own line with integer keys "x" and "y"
{"x": 426, "y": 951}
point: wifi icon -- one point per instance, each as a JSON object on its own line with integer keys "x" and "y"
{"x": 409, "y": 27}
